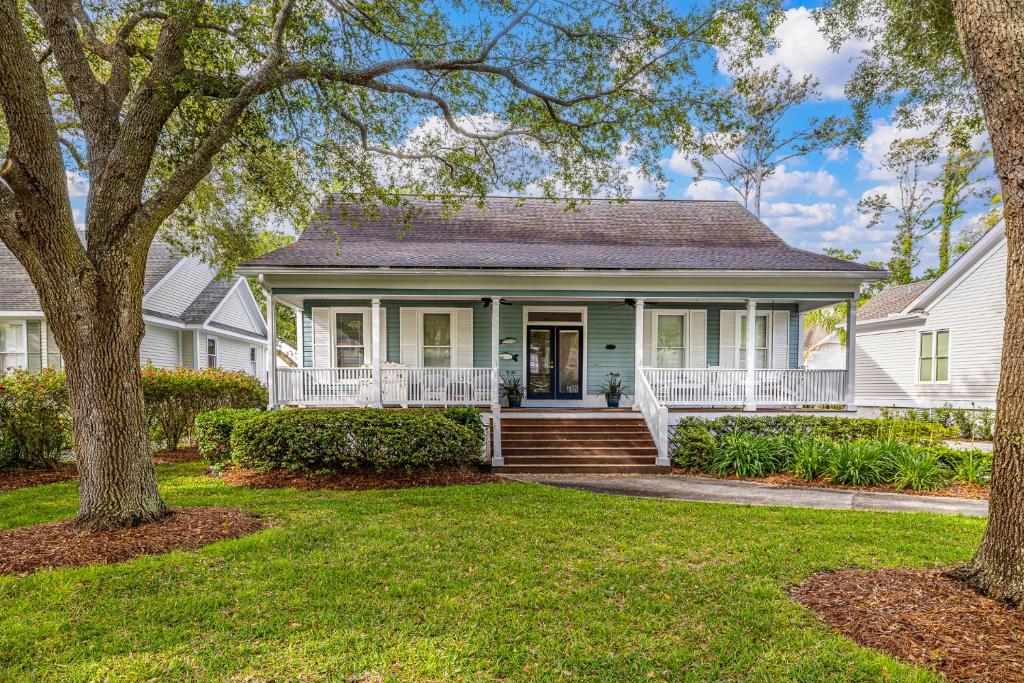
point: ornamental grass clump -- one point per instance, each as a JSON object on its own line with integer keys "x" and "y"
{"x": 916, "y": 467}
{"x": 746, "y": 455}
{"x": 972, "y": 467}
{"x": 856, "y": 463}
{"x": 808, "y": 456}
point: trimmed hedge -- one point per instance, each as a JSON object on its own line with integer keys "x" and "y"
{"x": 34, "y": 420}
{"x": 335, "y": 439}
{"x": 694, "y": 440}
{"x": 213, "y": 432}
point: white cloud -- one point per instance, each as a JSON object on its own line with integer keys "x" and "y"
{"x": 710, "y": 189}
{"x": 789, "y": 218}
{"x": 78, "y": 184}
{"x": 820, "y": 182}
{"x": 679, "y": 163}
{"x": 803, "y": 50}
{"x": 876, "y": 147}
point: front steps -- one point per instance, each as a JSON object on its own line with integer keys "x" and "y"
{"x": 578, "y": 445}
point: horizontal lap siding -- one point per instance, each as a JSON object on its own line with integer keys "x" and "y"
{"x": 160, "y": 347}
{"x": 610, "y": 323}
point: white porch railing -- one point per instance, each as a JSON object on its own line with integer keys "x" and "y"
{"x": 399, "y": 386}
{"x": 799, "y": 387}
{"x": 655, "y": 415}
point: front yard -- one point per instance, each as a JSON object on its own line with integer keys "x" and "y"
{"x": 495, "y": 581}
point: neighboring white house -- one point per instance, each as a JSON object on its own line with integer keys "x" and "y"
{"x": 193, "y": 319}
{"x": 939, "y": 342}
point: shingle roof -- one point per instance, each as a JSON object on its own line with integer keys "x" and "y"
{"x": 541, "y": 234}
{"x": 200, "y": 309}
{"x": 18, "y": 294}
{"x": 891, "y": 300}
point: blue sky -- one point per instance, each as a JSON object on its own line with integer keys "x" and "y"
{"x": 811, "y": 202}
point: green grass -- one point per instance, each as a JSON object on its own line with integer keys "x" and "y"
{"x": 493, "y": 582}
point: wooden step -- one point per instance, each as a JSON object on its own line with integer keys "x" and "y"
{"x": 582, "y": 469}
{"x": 542, "y": 421}
{"x": 579, "y": 460}
{"x": 582, "y": 429}
{"x": 587, "y": 440}
{"x": 578, "y": 450}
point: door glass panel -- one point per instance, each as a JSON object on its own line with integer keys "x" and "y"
{"x": 540, "y": 362}
{"x": 569, "y": 362}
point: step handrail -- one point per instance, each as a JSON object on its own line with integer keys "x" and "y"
{"x": 655, "y": 415}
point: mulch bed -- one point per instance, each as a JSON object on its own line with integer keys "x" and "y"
{"x": 171, "y": 456}
{"x": 921, "y": 616}
{"x": 356, "y": 480}
{"x": 16, "y": 479}
{"x": 971, "y": 491}
{"x": 59, "y": 544}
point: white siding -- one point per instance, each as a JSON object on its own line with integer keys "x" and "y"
{"x": 973, "y": 312}
{"x": 234, "y": 313}
{"x": 160, "y": 347}
{"x": 179, "y": 288}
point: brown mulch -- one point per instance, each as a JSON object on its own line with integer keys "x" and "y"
{"x": 971, "y": 491}
{"x": 356, "y": 481}
{"x": 171, "y": 456}
{"x": 16, "y": 479}
{"x": 921, "y": 616}
{"x": 59, "y": 544}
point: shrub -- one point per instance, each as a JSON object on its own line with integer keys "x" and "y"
{"x": 971, "y": 467}
{"x": 858, "y": 463}
{"x": 468, "y": 416}
{"x": 333, "y": 439}
{"x": 916, "y": 467}
{"x": 213, "y": 432}
{"x": 34, "y": 415}
{"x": 693, "y": 446}
{"x": 808, "y": 456}
{"x": 175, "y": 397}
{"x": 746, "y": 455}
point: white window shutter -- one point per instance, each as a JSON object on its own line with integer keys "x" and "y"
{"x": 697, "y": 338}
{"x": 780, "y": 339}
{"x": 322, "y": 355}
{"x": 463, "y": 338}
{"x": 649, "y": 344}
{"x": 383, "y": 335}
{"x": 727, "y": 339}
{"x": 409, "y": 336}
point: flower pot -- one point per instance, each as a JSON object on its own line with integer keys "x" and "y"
{"x": 613, "y": 400}
{"x": 515, "y": 401}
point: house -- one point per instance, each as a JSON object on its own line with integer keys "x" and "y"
{"x": 193, "y": 319}
{"x": 938, "y": 342}
{"x": 433, "y": 310}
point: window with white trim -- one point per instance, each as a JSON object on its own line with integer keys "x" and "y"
{"x": 933, "y": 356}
{"x": 760, "y": 340}
{"x": 211, "y": 352}
{"x": 670, "y": 340}
{"x": 13, "y": 349}
{"x": 349, "y": 339}
{"x": 252, "y": 360}
{"x": 436, "y": 338}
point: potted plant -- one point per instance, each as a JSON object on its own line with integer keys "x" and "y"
{"x": 613, "y": 389}
{"x": 512, "y": 388}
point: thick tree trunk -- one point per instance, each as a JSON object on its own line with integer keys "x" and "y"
{"x": 992, "y": 36}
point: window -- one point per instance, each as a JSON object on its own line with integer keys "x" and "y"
{"x": 671, "y": 341}
{"x": 12, "y": 345}
{"x": 760, "y": 341}
{"x": 252, "y": 360}
{"x": 211, "y": 352}
{"x": 933, "y": 360}
{"x": 349, "y": 339}
{"x": 437, "y": 340}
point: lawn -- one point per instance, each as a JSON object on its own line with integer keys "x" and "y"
{"x": 497, "y": 581}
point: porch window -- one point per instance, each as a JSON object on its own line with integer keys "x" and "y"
{"x": 437, "y": 340}
{"x": 211, "y": 352}
{"x": 933, "y": 360}
{"x": 12, "y": 345}
{"x": 349, "y": 340}
{"x": 671, "y": 341}
{"x": 760, "y": 341}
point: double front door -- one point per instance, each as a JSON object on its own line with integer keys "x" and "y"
{"x": 554, "y": 363}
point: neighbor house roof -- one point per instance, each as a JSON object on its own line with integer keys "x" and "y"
{"x": 891, "y": 300}
{"x": 517, "y": 233}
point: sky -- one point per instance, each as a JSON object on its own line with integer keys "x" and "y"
{"x": 810, "y": 202}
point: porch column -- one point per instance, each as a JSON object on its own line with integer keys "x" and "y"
{"x": 496, "y": 458}
{"x": 749, "y": 403}
{"x": 851, "y": 354}
{"x": 376, "y": 397}
{"x": 298, "y": 334}
{"x": 639, "y": 344}
{"x": 271, "y": 346}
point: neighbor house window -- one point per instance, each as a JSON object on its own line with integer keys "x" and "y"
{"x": 12, "y": 345}
{"x": 252, "y": 360}
{"x": 671, "y": 341}
{"x": 760, "y": 341}
{"x": 349, "y": 340}
{"x": 211, "y": 352}
{"x": 437, "y": 340}
{"x": 933, "y": 360}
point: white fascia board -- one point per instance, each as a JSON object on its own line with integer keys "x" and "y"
{"x": 960, "y": 270}
{"x": 890, "y": 322}
{"x": 163, "y": 322}
{"x": 22, "y": 314}
{"x": 222, "y": 332}
{"x": 247, "y": 300}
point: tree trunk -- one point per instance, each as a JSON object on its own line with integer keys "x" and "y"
{"x": 992, "y": 36}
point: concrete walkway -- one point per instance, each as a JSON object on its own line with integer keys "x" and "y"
{"x": 706, "y": 490}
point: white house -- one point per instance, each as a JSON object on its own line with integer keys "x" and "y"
{"x": 939, "y": 342}
{"x": 193, "y": 319}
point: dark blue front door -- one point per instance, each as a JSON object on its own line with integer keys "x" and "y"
{"x": 554, "y": 362}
